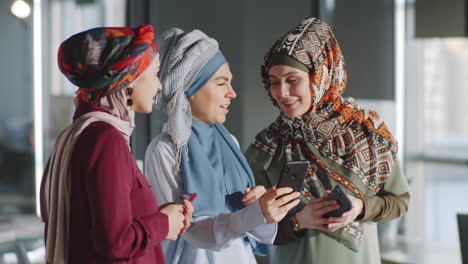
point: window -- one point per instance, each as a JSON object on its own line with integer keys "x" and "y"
{"x": 36, "y": 106}
{"x": 437, "y": 138}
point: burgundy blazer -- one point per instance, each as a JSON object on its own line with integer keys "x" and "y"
{"x": 114, "y": 216}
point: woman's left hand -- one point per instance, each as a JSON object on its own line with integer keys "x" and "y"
{"x": 188, "y": 212}
{"x": 348, "y": 217}
{"x": 252, "y": 194}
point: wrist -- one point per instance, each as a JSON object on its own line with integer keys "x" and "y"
{"x": 297, "y": 220}
{"x": 297, "y": 227}
{"x": 362, "y": 209}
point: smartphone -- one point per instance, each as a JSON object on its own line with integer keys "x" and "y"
{"x": 340, "y": 196}
{"x": 186, "y": 196}
{"x": 293, "y": 175}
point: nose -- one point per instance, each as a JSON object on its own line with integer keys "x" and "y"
{"x": 231, "y": 94}
{"x": 158, "y": 85}
{"x": 284, "y": 90}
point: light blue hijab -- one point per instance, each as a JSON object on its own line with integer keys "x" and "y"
{"x": 214, "y": 168}
{"x": 212, "y": 164}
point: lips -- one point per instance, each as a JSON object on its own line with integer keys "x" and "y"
{"x": 289, "y": 103}
{"x": 225, "y": 107}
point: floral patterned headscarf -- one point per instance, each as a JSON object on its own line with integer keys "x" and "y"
{"x": 102, "y": 61}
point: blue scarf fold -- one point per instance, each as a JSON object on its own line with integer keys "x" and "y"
{"x": 214, "y": 167}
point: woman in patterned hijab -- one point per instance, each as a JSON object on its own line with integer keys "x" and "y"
{"x": 97, "y": 205}
{"x": 347, "y": 146}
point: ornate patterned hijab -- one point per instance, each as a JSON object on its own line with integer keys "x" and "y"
{"x": 346, "y": 144}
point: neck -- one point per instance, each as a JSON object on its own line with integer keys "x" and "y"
{"x": 199, "y": 120}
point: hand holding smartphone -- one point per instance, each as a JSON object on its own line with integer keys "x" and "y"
{"x": 293, "y": 175}
{"x": 338, "y": 195}
{"x": 186, "y": 196}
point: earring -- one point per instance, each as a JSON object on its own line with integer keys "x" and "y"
{"x": 129, "y": 94}
{"x": 129, "y": 91}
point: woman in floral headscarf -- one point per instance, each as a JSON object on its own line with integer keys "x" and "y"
{"x": 346, "y": 145}
{"x": 97, "y": 205}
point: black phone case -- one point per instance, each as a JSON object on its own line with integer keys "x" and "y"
{"x": 293, "y": 175}
{"x": 340, "y": 196}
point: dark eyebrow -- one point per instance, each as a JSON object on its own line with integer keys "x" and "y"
{"x": 287, "y": 74}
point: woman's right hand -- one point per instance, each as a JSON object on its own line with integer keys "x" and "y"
{"x": 252, "y": 194}
{"x": 175, "y": 213}
{"x": 274, "y": 208}
{"x": 311, "y": 216}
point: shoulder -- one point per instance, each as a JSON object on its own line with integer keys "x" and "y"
{"x": 101, "y": 129}
{"x": 101, "y": 144}
{"x": 161, "y": 144}
{"x": 268, "y": 139}
{"x": 101, "y": 132}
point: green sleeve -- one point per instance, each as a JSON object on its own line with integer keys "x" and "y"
{"x": 391, "y": 201}
{"x": 385, "y": 207}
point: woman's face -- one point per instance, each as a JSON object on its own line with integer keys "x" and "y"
{"x": 290, "y": 87}
{"x": 210, "y": 104}
{"x": 146, "y": 88}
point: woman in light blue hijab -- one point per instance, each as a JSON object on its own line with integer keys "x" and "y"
{"x": 233, "y": 218}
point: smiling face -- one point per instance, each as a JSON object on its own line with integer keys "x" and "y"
{"x": 290, "y": 87}
{"x": 210, "y": 104}
{"x": 146, "y": 88}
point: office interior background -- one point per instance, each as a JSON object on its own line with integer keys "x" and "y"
{"x": 406, "y": 59}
